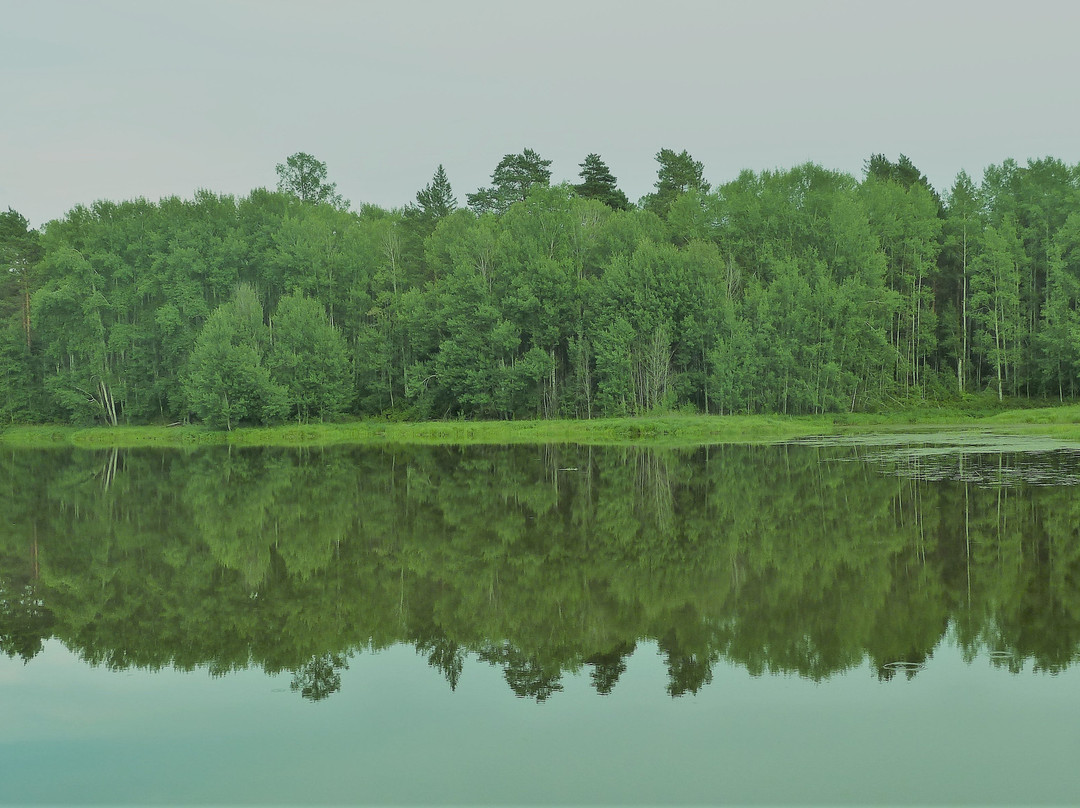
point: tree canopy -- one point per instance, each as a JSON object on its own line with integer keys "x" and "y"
{"x": 599, "y": 183}
{"x": 803, "y": 290}
{"x": 305, "y": 178}
{"x": 677, "y": 174}
{"x": 511, "y": 180}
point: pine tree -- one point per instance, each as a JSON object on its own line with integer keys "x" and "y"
{"x": 599, "y": 183}
{"x": 436, "y": 199}
{"x": 903, "y": 172}
{"x": 678, "y": 173}
{"x": 511, "y": 180}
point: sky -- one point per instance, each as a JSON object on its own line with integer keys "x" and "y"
{"x": 117, "y": 100}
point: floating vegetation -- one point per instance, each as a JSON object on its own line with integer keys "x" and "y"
{"x": 985, "y": 459}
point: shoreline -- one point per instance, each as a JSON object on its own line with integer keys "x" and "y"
{"x": 661, "y": 430}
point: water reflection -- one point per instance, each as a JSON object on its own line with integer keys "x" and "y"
{"x": 538, "y": 560}
{"x": 983, "y": 458}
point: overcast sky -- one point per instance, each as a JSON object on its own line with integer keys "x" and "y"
{"x": 123, "y": 99}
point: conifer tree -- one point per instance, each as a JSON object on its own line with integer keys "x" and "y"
{"x": 511, "y": 180}
{"x": 436, "y": 199}
{"x": 599, "y": 183}
{"x": 678, "y": 173}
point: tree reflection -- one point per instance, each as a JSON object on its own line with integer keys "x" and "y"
{"x": 608, "y": 666}
{"x": 319, "y": 677}
{"x": 541, "y": 561}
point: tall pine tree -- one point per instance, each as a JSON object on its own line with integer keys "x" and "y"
{"x": 599, "y": 183}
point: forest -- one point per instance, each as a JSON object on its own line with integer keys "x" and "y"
{"x": 790, "y": 291}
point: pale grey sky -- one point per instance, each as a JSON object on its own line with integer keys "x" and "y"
{"x": 138, "y": 98}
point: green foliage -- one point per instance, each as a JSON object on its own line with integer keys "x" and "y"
{"x": 677, "y": 174}
{"x": 305, "y": 178}
{"x": 539, "y": 561}
{"x": 995, "y": 303}
{"x": 18, "y": 391}
{"x": 308, "y": 358}
{"x": 436, "y": 199}
{"x": 903, "y": 173}
{"x": 791, "y": 291}
{"x": 227, "y": 383}
{"x": 597, "y": 182}
{"x": 511, "y": 180}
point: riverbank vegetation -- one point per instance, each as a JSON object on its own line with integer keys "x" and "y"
{"x": 659, "y": 431}
{"x": 799, "y": 292}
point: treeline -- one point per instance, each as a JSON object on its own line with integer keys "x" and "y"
{"x": 540, "y": 561}
{"x": 798, "y": 291}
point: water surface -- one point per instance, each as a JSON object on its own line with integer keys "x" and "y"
{"x": 793, "y": 624}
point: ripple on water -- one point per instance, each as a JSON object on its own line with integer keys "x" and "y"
{"x": 980, "y": 458}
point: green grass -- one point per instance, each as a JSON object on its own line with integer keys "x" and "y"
{"x": 663, "y": 430}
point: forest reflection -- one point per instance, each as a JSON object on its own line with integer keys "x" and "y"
{"x": 542, "y": 561}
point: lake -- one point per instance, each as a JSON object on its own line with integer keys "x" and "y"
{"x": 881, "y": 619}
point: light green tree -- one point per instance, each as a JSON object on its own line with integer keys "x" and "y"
{"x": 308, "y": 358}
{"x": 995, "y": 302}
{"x": 227, "y": 382}
{"x": 305, "y": 178}
{"x": 962, "y": 234}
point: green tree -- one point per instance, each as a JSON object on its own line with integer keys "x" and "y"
{"x": 962, "y": 235}
{"x": 903, "y": 172}
{"x": 308, "y": 359}
{"x": 995, "y": 301}
{"x": 434, "y": 202}
{"x": 599, "y": 183}
{"x": 74, "y": 318}
{"x": 305, "y": 178}
{"x": 228, "y": 382}
{"x": 20, "y": 251}
{"x": 907, "y": 224}
{"x": 511, "y": 180}
{"x": 436, "y": 199}
{"x": 1060, "y": 335}
{"x": 677, "y": 174}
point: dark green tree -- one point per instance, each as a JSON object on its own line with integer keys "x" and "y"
{"x": 434, "y": 202}
{"x": 511, "y": 180}
{"x": 20, "y": 251}
{"x": 903, "y": 172}
{"x": 599, "y": 183}
{"x": 678, "y": 173}
{"x": 436, "y": 199}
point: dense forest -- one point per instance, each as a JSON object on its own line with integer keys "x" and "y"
{"x": 539, "y": 561}
{"x": 798, "y": 291}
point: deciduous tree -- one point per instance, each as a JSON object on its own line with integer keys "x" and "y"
{"x": 305, "y": 178}
{"x": 228, "y": 382}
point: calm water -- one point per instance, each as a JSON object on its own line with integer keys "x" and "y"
{"x": 876, "y": 621}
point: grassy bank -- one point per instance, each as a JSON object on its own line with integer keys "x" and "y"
{"x": 669, "y": 430}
